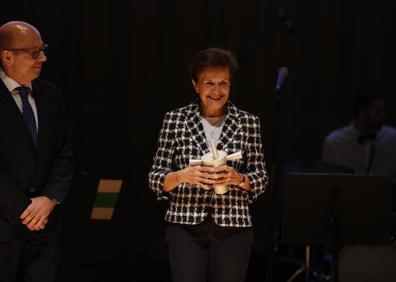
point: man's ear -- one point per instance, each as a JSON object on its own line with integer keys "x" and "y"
{"x": 6, "y": 57}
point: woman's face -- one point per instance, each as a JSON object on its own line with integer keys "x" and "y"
{"x": 213, "y": 87}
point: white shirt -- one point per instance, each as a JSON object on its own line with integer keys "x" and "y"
{"x": 341, "y": 147}
{"x": 213, "y": 127}
{"x": 11, "y": 85}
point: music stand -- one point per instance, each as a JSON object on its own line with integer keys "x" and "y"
{"x": 334, "y": 209}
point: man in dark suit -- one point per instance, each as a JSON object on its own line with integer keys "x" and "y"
{"x": 36, "y": 166}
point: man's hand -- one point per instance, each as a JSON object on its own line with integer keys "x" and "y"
{"x": 35, "y": 216}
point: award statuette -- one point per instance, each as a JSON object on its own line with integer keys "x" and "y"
{"x": 216, "y": 158}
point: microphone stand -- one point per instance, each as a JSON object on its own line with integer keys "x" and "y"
{"x": 333, "y": 222}
{"x": 278, "y": 20}
{"x": 272, "y": 189}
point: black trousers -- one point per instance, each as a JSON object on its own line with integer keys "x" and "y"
{"x": 34, "y": 259}
{"x": 208, "y": 252}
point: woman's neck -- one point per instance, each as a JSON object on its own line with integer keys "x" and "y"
{"x": 213, "y": 112}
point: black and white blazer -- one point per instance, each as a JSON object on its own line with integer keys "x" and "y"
{"x": 182, "y": 138}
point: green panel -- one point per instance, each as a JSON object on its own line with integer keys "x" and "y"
{"x": 106, "y": 200}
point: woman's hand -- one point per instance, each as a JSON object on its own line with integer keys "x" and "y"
{"x": 229, "y": 176}
{"x": 202, "y": 176}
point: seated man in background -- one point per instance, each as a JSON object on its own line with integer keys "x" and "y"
{"x": 366, "y": 145}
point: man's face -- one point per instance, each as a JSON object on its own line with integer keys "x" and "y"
{"x": 24, "y": 59}
{"x": 213, "y": 87}
{"x": 376, "y": 114}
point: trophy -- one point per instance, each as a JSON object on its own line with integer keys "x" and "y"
{"x": 216, "y": 158}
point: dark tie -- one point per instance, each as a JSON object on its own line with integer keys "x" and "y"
{"x": 27, "y": 112}
{"x": 367, "y": 136}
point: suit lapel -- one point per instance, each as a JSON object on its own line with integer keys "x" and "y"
{"x": 11, "y": 106}
{"x": 42, "y": 111}
{"x": 194, "y": 125}
{"x": 230, "y": 128}
{"x": 9, "y": 102}
{"x": 39, "y": 106}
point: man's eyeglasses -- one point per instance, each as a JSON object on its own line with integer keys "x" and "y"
{"x": 33, "y": 52}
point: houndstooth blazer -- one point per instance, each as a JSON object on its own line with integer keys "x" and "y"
{"x": 182, "y": 138}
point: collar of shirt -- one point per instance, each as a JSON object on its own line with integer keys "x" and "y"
{"x": 351, "y": 131}
{"x": 10, "y": 83}
{"x": 379, "y": 134}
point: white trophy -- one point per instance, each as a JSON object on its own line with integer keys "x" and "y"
{"x": 216, "y": 158}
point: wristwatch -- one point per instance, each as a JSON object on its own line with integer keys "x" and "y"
{"x": 55, "y": 201}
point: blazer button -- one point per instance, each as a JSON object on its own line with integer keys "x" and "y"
{"x": 32, "y": 190}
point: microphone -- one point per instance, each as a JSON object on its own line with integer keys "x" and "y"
{"x": 283, "y": 19}
{"x": 282, "y": 73}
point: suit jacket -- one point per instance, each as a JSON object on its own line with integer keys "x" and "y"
{"x": 27, "y": 171}
{"x": 182, "y": 138}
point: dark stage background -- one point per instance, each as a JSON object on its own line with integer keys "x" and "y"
{"x": 122, "y": 64}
